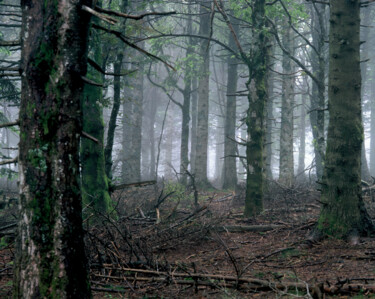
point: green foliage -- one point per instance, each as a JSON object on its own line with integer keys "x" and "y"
{"x": 179, "y": 194}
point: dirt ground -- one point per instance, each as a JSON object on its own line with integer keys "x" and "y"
{"x": 170, "y": 248}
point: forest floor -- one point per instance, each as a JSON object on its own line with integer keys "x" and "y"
{"x": 166, "y": 247}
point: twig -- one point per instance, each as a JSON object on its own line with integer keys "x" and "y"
{"x": 10, "y": 124}
{"x": 6, "y": 162}
{"x": 88, "y": 136}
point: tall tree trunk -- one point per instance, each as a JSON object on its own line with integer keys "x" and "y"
{"x": 318, "y": 63}
{"x": 136, "y": 137}
{"x": 372, "y": 128}
{"x": 203, "y": 100}
{"x": 194, "y": 116}
{"x": 230, "y": 146}
{"x": 127, "y": 111}
{"x": 114, "y": 113}
{"x": 269, "y": 115}
{"x": 255, "y": 114}
{"x": 95, "y": 192}
{"x": 302, "y": 142}
{"x": 343, "y": 211}
{"x": 185, "y": 109}
{"x": 50, "y": 259}
{"x": 287, "y": 103}
{"x": 365, "y": 172}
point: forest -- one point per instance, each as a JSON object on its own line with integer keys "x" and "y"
{"x": 187, "y": 149}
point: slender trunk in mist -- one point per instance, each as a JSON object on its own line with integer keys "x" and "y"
{"x": 372, "y": 129}
{"x": 302, "y": 141}
{"x": 113, "y": 118}
{"x": 127, "y": 108}
{"x": 203, "y": 101}
{"x": 184, "y": 153}
{"x": 50, "y": 257}
{"x": 168, "y": 144}
{"x": 318, "y": 64}
{"x": 116, "y": 103}
{"x": 137, "y": 97}
{"x": 194, "y": 113}
{"x": 365, "y": 172}
{"x": 287, "y": 103}
{"x": 269, "y": 115}
{"x": 229, "y": 168}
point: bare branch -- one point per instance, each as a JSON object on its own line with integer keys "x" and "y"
{"x": 100, "y": 70}
{"x": 10, "y": 43}
{"x": 120, "y": 36}
{"x": 10, "y": 124}
{"x": 6, "y": 162}
{"x": 99, "y": 15}
{"x": 88, "y": 81}
{"x": 139, "y": 17}
{"x": 88, "y": 136}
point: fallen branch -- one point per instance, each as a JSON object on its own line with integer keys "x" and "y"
{"x": 246, "y": 228}
{"x": 138, "y": 184}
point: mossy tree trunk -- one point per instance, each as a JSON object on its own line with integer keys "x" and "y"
{"x": 95, "y": 192}
{"x": 286, "y": 176}
{"x": 255, "y": 114}
{"x": 50, "y": 260}
{"x": 343, "y": 213}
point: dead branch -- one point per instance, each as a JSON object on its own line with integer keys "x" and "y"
{"x": 90, "y": 82}
{"x": 88, "y": 136}
{"x": 138, "y": 184}
{"x": 99, "y": 15}
{"x": 10, "y": 43}
{"x": 6, "y": 162}
{"x": 132, "y": 45}
{"x": 246, "y": 228}
{"x": 100, "y": 70}
{"x": 133, "y": 17}
{"x": 10, "y": 124}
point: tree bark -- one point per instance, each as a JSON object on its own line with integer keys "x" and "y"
{"x": 114, "y": 113}
{"x": 203, "y": 101}
{"x": 257, "y": 97}
{"x": 318, "y": 64}
{"x": 343, "y": 212}
{"x": 50, "y": 260}
{"x": 286, "y": 176}
{"x": 230, "y": 146}
{"x": 95, "y": 192}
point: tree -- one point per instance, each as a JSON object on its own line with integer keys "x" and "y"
{"x": 287, "y": 105}
{"x": 203, "y": 99}
{"x": 95, "y": 192}
{"x": 343, "y": 213}
{"x": 50, "y": 260}
{"x": 229, "y": 168}
{"x": 255, "y": 114}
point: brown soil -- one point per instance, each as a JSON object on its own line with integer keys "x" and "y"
{"x": 202, "y": 243}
